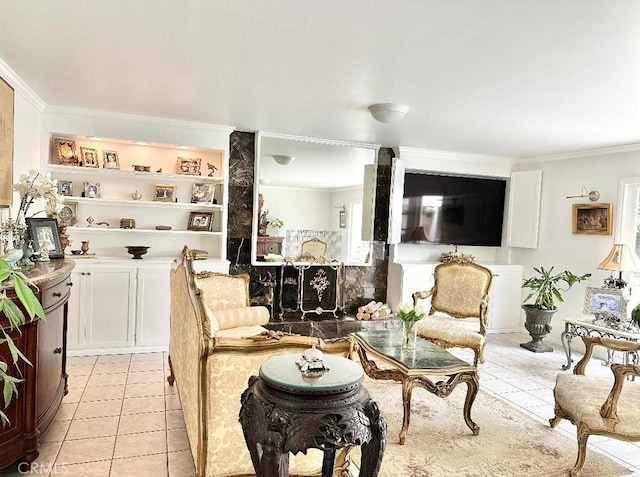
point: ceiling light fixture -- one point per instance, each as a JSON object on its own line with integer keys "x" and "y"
{"x": 283, "y": 160}
{"x": 388, "y": 112}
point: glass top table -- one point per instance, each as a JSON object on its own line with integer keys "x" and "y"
{"x": 413, "y": 368}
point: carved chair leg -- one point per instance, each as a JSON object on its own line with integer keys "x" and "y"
{"x": 583, "y": 435}
{"x": 171, "y": 378}
{"x": 554, "y": 421}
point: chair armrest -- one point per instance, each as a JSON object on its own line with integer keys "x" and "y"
{"x": 484, "y": 309}
{"x": 609, "y": 409}
{"x": 421, "y": 295}
{"x": 610, "y": 343}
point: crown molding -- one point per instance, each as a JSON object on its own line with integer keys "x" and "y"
{"x": 450, "y": 155}
{"x": 316, "y": 140}
{"x": 601, "y": 151}
{"x": 21, "y": 87}
{"x": 107, "y": 115}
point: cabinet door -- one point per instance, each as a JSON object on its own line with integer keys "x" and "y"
{"x": 505, "y": 298}
{"x": 152, "y": 316}
{"x": 77, "y": 312}
{"x": 111, "y": 295}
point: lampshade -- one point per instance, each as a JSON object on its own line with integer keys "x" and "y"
{"x": 419, "y": 235}
{"x": 283, "y": 160}
{"x": 620, "y": 259}
{"x": 388, "y": 112}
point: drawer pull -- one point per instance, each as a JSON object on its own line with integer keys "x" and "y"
{"x": 57, "y": 351}
{"x": 69, "y": 284}
{"x": 57, "y": 294}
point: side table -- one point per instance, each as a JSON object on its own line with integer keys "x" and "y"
{"x": 282, "y": 412}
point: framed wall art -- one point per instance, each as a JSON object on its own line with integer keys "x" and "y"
{"x": 200, "y": 221}
{"x": 65, "y": 150}
{"x": 65, "y": 187}
{"x": 592, "y": 219}
{"x": 189, "y": 166}
{"x": 164, "y": 192}
{"x": 89, "y": 156}
{"x": 92, "y": 189}
{"x": 605, "y": 300}
{"x": 110, "y": 160}
{"x": 6, "y": 142}
{"x": 44, "y": 233}
{"x": 203, "y": 193}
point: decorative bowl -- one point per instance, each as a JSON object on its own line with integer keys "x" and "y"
{"x": 137, "y": 251}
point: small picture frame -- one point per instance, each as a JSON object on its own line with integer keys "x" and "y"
{"x": 592, "y": 219}
{"x": 68, "y": 215}
{"x": 110, "y": 160}
{"x": 203, "y": 193}
{"x": 89, "y": 156}
{"x": 65, "y": 151}
{"x": 343, "y": 219}
{"x": 92, "y": 189}
{"x": 605, "y": 300}
{"x": 190, "y": 166}
{"x": 164, "y": 192}
{"x": 43, "y": 231}
{"x": 65, "y": 188}
{"x": 200, "y": 221}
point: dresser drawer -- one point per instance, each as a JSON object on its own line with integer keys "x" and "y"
{"x": 56, "y": 294}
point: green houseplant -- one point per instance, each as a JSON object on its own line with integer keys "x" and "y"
{"x": 12, "y": 318}
{"x": 547, "y": 288}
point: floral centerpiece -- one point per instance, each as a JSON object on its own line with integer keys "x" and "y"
{"x": 410, "y": 315}
{"x": 38, "y": 185}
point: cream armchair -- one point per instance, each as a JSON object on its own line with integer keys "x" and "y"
{"x": 599, "y": 405}
{"x": 461, "y": 293}
{"x": 216, "y": 344}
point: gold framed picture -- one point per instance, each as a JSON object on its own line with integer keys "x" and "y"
{"x": 110, "y": 160}
{"x": 65, "y": 187}
{"x": 164, "y": 192}
{"x": 190, "y": 166}
{"x": 92, "y": 189}
{"x": 592, "y": 219}
{"x": 66, "y": 151}
{"x": 89, "y": 156}
{"x": 200, "y": 221}
{"x": 6, "y": 142}
{"x": 203, "y": 193}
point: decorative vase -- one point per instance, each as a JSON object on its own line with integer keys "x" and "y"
{"x": 409, "y": 334}
{"x": 538, "y": 324}
{"x": 84, "y": 247}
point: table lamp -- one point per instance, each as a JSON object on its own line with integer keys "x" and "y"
{"x": 620, "y": 259}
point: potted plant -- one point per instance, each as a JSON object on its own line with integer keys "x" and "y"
{"x": 14, "y": 316}
{"x": 547, "y": 288}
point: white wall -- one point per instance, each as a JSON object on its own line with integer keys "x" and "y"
{"x": 299, "y": 209}
{"x": 557, "y": 245}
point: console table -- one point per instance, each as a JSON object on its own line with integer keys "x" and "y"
{"x": 283, "y": 411}
{"x": 590, "y": 326}
{"x": 44, "y": 343}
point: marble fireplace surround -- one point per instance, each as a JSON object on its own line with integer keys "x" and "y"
{"x": 361, "y": 285}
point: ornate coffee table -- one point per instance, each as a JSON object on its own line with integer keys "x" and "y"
{"x": 414, "y": 367}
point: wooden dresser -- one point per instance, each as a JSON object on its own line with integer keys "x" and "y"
{"x": 44, "y": 343}
{"x": 267, "y": 245}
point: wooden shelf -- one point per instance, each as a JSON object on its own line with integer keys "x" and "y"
{"x": 141, "y": 203}
{"x": 113, "y": 174}
{"x": 117, "y": 230}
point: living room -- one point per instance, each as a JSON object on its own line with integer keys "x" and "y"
{"x": 530, "y": 87}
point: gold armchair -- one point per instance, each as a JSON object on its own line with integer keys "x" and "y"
{"x": 461, "y": 292}
{"x": 598, "y": 405}
{"x": 314, "y": 250}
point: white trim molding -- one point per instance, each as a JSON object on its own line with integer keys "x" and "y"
{"x": 601, "y": 151}
{"x": 21, "y": 87}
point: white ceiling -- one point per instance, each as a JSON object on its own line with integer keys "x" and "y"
{"x": 515, "y": 78}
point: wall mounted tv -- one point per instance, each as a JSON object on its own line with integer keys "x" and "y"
{"x": 440, "y": 209}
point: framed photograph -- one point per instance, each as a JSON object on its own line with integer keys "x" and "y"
{"x": 44, "y": 233}
{"x": 110, "y": 160}
{"x": 189, "y": 166}
{"x": 609, "y": 300}
{"x": 6, "y": 142}
{"x": 164, "y": 192}
{"x": 343, "y": 219}
{"x": 66, "y": 151}
{"x": 65, "y": 187}
{"x": 200, "y": 221}
{"x": 203, "y": 193}
{"x": 92, "y": 189}
{"x": 68, "y": 215}
{"x": 89, "y": 156}
{"x": 592, "y": 219}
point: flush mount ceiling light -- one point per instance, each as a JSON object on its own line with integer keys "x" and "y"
{"x": 283, "y": 160}
{"x": 388, "y": 112}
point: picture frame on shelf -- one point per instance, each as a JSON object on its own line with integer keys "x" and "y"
{"x": 65, "y": 151}
{"x": 110, "y": 160}
{"x": 605, "y": 300}
{"x": 65, "y": 188}
{"x": 68, "y": 215}
{"x": 43, "y": 231}
{"x": 200, "y": 221}
{"x": 189, "y": 166}
{"x": 89, "y": 156}
{"x": 164, "y": 192}
{"x": 592, "y": 219}
{"x": 92, "y": 189}
{"x": 203, "y": 193}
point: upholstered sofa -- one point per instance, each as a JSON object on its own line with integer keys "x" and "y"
{"x": 216, "y": 344}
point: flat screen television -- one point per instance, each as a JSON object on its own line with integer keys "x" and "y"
{"x": 458, "y": 210}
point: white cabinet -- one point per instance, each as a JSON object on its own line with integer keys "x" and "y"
{"x": 153, "y": 302}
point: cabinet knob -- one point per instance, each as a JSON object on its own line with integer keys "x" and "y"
{"x": 57, "y": 351}
{"x": 57, "y": 294}
{"x": 88, "y": 273}
{"x": 69, "y": 284}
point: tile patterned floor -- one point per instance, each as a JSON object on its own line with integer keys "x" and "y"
{"x": 121, "y": 419}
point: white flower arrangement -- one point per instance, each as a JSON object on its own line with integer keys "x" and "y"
{"x": 276, "y": 223}
{"x": 409, "y": 313}
{"x": 37, "y": 185}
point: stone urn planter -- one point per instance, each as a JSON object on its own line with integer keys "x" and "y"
{"x": 538, "y": 324}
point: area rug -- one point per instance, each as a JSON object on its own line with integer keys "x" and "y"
{"x": 510, "y": 443}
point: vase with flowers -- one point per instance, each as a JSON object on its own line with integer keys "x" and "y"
{"x": 410, "y": 316}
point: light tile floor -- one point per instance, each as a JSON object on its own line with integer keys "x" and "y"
{"x": 121, "y": 419}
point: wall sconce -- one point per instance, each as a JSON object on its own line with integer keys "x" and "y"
{"x": 592, "y": 195}
{"x": 343, "y": 217}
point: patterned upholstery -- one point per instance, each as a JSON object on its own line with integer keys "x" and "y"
{"x": 597, "y": 405}
{"x": 461, "y": 292}
{"x": 312, "y": 250}
{"x": 211, "y": 372}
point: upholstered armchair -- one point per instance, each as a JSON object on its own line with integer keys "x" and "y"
{"x": 459, "y": 304}
{"x": 599, "y": 405}
{"x": 314, "y": 250}
{"x": 216, "y": 343}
